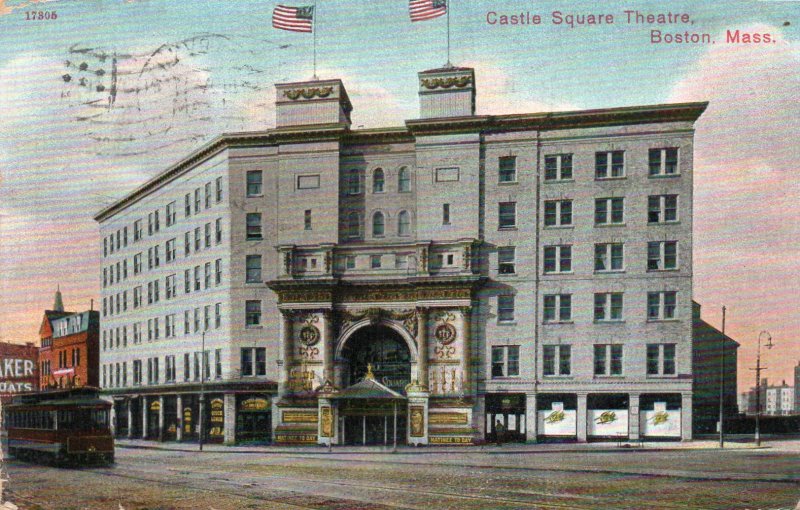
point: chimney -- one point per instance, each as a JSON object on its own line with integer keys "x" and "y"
{"x": 447, "y": 92}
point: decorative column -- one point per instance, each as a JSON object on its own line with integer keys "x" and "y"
{"x": 531, "y": 419}
{"x": 327, "y": 331}
{"x": 581, "y": 416}
{"x": 179, "y": 408}
{"x": 466, "y": 352}
{"x": 161, "y": 418}
{"x": 422, "y": 347}
{"x": 229, "y": 415}
{"x": 144, "y": 417}
{"x": 634, "y": 433}
{"x": 130, "y": 418}
{"x": 288, "y": 345}
{"x": 686, "y": 417}
{"x": 417, "y": 429}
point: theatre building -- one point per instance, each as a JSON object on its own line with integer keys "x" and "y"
{"x": 424, "y": 281}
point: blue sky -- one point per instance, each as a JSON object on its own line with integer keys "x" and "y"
{"x": 62, "y": 158}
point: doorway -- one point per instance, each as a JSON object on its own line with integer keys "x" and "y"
{"x": 373, "y": 429}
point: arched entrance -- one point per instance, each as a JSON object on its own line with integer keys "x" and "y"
{"x": 385, "y": 350}
{"x": 379, "y": 352}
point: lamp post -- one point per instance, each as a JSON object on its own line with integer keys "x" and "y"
{"x": 722, "y": 385}
{"x": 758, "y": 370}
{"x": 202, "y": 388}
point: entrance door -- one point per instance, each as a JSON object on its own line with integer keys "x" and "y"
{"x": 373, "y": 430}
{"x": 507, "y": 409}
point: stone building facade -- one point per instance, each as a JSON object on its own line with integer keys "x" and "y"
{"x": 532, "y": 270}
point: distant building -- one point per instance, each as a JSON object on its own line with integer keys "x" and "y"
{"x": 780, "y": 400}
{"x": 797, "y": 385}
{"x": 17, "y": 369}
{"x": 707, "y": 364}
{"x": 69, "y": 351}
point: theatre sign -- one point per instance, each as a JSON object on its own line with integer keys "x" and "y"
{"x": 18, "y": 369}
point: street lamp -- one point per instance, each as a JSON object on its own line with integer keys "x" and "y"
{"x": 758, "y": 370}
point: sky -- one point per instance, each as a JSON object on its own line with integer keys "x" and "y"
{"x": 109, "y": 93}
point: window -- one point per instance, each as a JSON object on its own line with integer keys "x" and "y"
{"x": 378, "y": 223}
{"x": 609, "y": 211}
{"x": 137, "y": 296}
{"x": 557, "y": 307}
{"x": 663, "y": 161}
{"x": 219, "y": 189}
{"x": 197, "y": 237}
{"x": 170, "y": 289}
{"x": 187, "y": 209}
{"x": 557, "y": 360}
{"x": 608, "y": 359}
{"x": 207, "y": 194}
{"x": 169, "y": 327}
{"x": 125, "y": 236}
{"x": 507, "y": 214}
{"x": 404, "y": 180}
{"x": 105, "y": 247}
{"x": 660, "y": 359}
{"x": 196, "y": 320}
{"x": 508, "y": 169}
{"x": 156, "y": 225}
{"x": 218, "y": 271}
{"x": 253, "y": 271}
{"x": 445, "y": 214}
{"x": 137, "y": 372}
{"x": 378, "y": 181}
{"x": 506, "y": 263}
{"x": 207, "y": 275}
{"x": 169, "y": 369}
{"x": 353, "y": 225}
{"x": 170, "y": 249}
{"x": 218, "y": 229}
{"x": 217, "y": 315}
{"x": 609, "y": 257}
{"x": 608, "y": 306}
{"x": 252, "y": 313}
{"x": 137, "y": 263}
{"x": 187, "y": 281}
{"x": 308, "y": 181}
{"x": 196, "y": 366}
{"x": 505, "y": 308}
{"x": 662, "y": 255}
{"x": 156, "y": 331}
{"x": 505, "y": 361}
{"x": 375, "y": 261}
{"x": 125, "y": 269}
{"x": 197, "y": 201}
{"x": 662, "y": 208}
{"x": 187, "y": 244}
{"x": 557, "y": 213}
{"x": 186, "y": 323}
{"x": 171, "y": 214}
{"x": 558, "y": 259}
{"x": 353, "y": 183}
{"x": 307, "y": 219}
{"x": 350, "y": 262}
{"x": 149, "y": 227}
{"x": 447, "y": 174}
{"x": 217, "y": 363}
{"x": 206, "y": 317}
{"x": 208, "y": 235}
{"x": 401, "y": 261}
{"x": 137, "y": 230}
{"x": 254, "y": 361}
{"x": 661, "y": 305}
{"x": 609, "y": 165}
{"x": 403, "y": 224}
{"x": 196, "y": 277}
{"x": 253, "y": 225}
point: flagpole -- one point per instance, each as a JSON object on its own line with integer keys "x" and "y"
{"x": 447, "y": 6}
{"x": 314, "y": 20}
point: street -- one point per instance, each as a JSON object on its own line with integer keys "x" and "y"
{"x": 547, "y": 476}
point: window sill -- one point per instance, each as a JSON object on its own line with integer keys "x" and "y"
{"x": 609, "y": 271}
{"x": 558, "y": 227}
{"x": 506, "y": 275}
{"x": 609, "y": 321}
{"x": 558, "y": 377}
{"x": 607, "y": 225}
{"x": 558, "y": 181}
{"x": 512, "y": 228}
{"x": 507, "y": 183}
{"x": 608, "y": 376}
{"x": 662, "y": 376}
{"x": 261, "y": 195}
{"x": 505, "y": 377}
{"x": 662, "y": 176}
{"x": 662, "y": 223}
{"x": 253, "y": 327}
{"x": 507, "y": 323}
{"x": 671, "y": 270}
{"x": 620, "y": 178}
{"x": 556, "y": 323}
{"x": 663, "y": 320}
{"x": 248, "y": 239}
{"x": 556, "y": 273}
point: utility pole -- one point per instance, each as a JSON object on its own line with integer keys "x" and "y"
{"x": 202, "y": 389}
{"x": 722, "y": 385}
{"x": 758, "y": 370}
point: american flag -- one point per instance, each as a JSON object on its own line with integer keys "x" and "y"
{"x": 294, "y": 19}
{"x": 421, "y": 10}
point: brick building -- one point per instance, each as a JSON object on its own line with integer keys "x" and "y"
{"x": 69, "y": 347}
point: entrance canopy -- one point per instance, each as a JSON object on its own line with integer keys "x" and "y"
{"x": 368, "y": 389}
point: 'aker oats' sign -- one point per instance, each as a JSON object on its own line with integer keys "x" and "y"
{"x": 18, "y": 372}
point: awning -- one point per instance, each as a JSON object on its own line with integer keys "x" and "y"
{"x": 368, "y": 389}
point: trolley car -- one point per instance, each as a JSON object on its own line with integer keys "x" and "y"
{"x": 61, "y": 427}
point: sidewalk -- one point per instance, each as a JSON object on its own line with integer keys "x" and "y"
{"x": 792, "y": 445}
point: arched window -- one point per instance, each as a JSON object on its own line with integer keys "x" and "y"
{"x": 353, "y": 225}
{"x": 353, "y": 187}
{"x": 377, "y": 181}
{"x": 403, "y": 224}
{"x": 404, "y": 180}
{"x": 377, "y": 224}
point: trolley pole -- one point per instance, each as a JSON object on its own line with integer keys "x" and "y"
{"x": 722, "y": 385}
{"x": 202, "y": 389}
